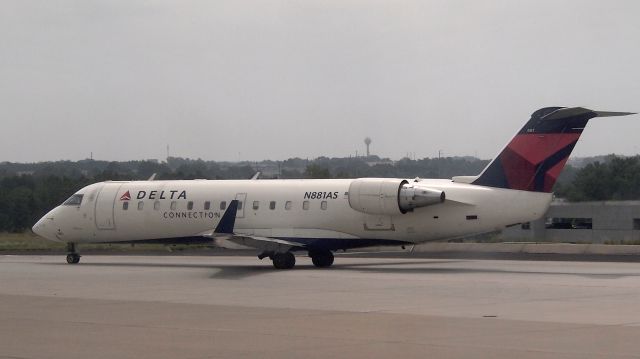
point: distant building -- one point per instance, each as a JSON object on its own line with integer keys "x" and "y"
{"x": 380, "y": 161}
{"x": 582, "y": 222}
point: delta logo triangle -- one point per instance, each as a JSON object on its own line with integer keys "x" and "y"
{"x": 126, "y": 196}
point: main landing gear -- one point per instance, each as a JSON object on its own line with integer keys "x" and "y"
{"x": 321, "y": 258}
{"x": 283, "y": 260}
{"x": 72, "y": 256}
{"x": 286, "y": 260}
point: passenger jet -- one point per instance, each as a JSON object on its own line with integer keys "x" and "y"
{"x": 278, "y": 218}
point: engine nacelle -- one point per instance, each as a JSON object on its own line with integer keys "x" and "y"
{"x": 413, "y": 195}
{"x": 390, "y": 196}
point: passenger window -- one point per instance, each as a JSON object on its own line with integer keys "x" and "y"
{"x": 156, "y": 205}
{"x": 207, "y": 205}
{"x": 323, "y": 205}
{"x": 190, "y": 205}
{"x": 174, "y": 205}
{"x": 305, "y": 205}
{"x": 223, "y": 205}
{"x": 287, "y": 205}
{"x": 140, "y": 205}
{"x": 125, "y": 205}
{"x": 239, "y": 205}
{"x": 272, "y": 205}
{"x": 256, "y": 205}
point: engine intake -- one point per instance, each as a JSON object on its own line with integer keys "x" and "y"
{"x": 391, "y": 196}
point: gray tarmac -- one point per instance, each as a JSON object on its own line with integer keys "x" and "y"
{"x": 239, "y": 307}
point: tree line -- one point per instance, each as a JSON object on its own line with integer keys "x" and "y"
{"x": 616, "y": 179}
{"x": 29, "y": 190}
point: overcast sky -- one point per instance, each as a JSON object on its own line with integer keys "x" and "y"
{"x": 252, "y": 80}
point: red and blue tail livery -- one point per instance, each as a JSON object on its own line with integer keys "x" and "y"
{"x": 534, "y": 158}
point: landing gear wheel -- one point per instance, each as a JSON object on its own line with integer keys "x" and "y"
{"x": 284, "y": 260}
{"x": 321, "y": 259}
{"x": 73, "y": 258}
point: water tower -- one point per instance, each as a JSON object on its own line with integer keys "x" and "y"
{"x": 367, "y": 141}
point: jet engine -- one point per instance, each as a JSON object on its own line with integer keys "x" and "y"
{"x": 390, "y": 196}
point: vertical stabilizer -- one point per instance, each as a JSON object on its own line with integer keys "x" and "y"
{"x": 534, "y": 158}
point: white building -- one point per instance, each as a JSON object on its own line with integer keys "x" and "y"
{"x": 582, "y": 222}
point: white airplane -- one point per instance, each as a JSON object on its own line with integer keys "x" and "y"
{"x": 280, "y": 217}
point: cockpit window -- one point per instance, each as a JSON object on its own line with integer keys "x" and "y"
{"x": 74, "y": 200}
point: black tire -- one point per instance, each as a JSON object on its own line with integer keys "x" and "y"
{"x": 321, "y": 259}
{"x": 73, "y": 258}
{"x": 284, "y": 260}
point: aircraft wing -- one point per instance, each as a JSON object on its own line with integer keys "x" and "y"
{"x": 224, "y": 236}
{"x": 264, "y": 244}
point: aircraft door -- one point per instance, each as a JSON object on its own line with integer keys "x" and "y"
{"x": 105, "y": 206}
{"x": 242, "y": 199}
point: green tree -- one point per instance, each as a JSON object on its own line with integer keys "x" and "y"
{"x": 617, "y": 179}
{"x": 316, "y": 171}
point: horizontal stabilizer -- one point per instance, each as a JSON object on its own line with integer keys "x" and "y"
{"x": 612, "y": 114}
{"x": 464, "y": 179}
{"x": 569, "y": 112}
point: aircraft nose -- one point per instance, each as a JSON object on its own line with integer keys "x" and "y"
{"x": 44, "y": 227}
{"x": 38, "y": 228}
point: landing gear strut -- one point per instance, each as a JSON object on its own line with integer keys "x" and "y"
{"x": 283, "y": 260}
{"x": 72, "y": 257}
{"x": 321, "y": 258}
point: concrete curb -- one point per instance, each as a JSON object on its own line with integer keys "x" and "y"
{"x": 529, "y": 248}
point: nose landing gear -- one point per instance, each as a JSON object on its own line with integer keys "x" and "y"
{"x": 72, "y": 256}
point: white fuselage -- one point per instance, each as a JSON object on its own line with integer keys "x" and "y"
{"x": 300, "y": 210}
